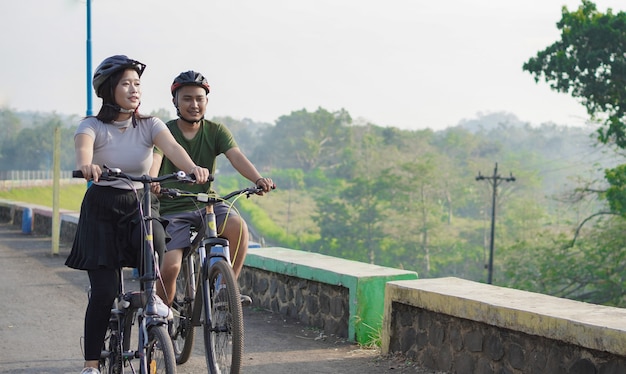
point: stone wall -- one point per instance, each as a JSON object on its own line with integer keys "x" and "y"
{"x": 322, "y": 291}
{"x": 462, "y": 326}
{"x": 6, "y": 214}
{"x": 458, "y": 345}
{"x": 312, "y": 303}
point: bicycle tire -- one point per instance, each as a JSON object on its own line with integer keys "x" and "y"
{"x": 160, "y": 358}
{"x": 111, "y": 357}
{"x": 183, "y": 331}
{"x": 223, "y": 326}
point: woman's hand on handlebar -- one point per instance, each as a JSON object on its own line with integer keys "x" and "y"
{"x": 91, "y": 171}
{"x": 155, "y": 187}
{"x": 267, "y": 184}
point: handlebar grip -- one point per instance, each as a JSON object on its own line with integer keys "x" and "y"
{"x": 192, "y": 176}
{"x": 77, "y": 174}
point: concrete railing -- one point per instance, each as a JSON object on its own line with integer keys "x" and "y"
{"x": 461, "y": 326}
{"x": 446, "y": 324}
{"x": 343, "y": 297}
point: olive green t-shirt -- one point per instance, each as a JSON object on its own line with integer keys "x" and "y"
{"x": 211, "y": 140}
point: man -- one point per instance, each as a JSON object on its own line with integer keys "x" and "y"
{"x": 204, "y": 141}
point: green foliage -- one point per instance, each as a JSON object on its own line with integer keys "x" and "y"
{"x": 30, "y": 147}
{"x": 589, "y": 63}
{"x": 256, "y": 210}
{"x": 311, "y": 140}
{"x": 591, "y": 270}
{"x": 616, "y": 193}
{"x": 162, "y": 114}
{"x": 409, "y": 199}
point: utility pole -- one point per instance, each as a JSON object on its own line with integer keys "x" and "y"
{"x": 494, "y": 180}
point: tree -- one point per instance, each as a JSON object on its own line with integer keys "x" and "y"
{"x": 162, "y": 114}
{"x": 311, "y": 139}
{"x": 589, "y": 63}
{"x": 351, "y": 224}
{"x": 594, "y": 270}
{"x": 11, "y": 125}
{"x": 417, "y": 194}
{"x": 32, "y": 147}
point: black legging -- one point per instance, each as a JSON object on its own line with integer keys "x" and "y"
{"x": 104, "y": 289}
{"x": 105, "y": 286}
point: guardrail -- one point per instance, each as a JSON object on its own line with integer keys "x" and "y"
{"x": 6, "y": 184}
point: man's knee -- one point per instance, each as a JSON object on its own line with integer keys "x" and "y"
{"x": 236, "y": 225}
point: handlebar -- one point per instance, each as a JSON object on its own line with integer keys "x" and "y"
{"x": 210, "y": 199}
{"x": 110, "y": 174}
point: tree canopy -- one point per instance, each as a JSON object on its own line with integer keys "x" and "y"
{"x": 589, "y": 63}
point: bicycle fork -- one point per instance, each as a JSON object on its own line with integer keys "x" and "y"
{"x": 219, "y": 252}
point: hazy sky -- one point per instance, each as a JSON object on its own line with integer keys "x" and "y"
{"x": 412, "y": 64}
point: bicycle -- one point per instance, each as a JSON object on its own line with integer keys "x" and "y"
{"x": 154, "y": 346}
{"x": 206, "y": 283}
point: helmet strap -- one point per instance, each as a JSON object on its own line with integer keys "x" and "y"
{"x": 120, "y": 109}
{"x": 180, "y": 115}
{"x": 185, "y": 119}
{"x": 133, "y": 112}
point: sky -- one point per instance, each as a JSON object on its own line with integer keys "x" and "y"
{"x": 411, "y": 64}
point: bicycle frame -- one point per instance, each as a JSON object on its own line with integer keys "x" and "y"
{"x": 209, "y": 239}
{"x": 213, "y": 242}
{"x": 142, "y": 304}
{"x": 148, "y": 278}
{"x": 206, "y": 272}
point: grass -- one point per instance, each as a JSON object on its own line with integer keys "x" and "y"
{"x": 288, "y": 211}
{"x": 70, "y": 195}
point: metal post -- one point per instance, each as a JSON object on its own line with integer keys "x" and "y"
{"x": 89, "y": 111}
{"x": 56, "y": 218}
{"x": 89, "y": 95}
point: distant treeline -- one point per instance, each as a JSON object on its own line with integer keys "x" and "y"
{"x": 410, "y": 198}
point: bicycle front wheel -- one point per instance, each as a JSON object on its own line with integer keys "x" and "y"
{"x": 183, "y": 331}
{"x": 160, "y": 357}
{"x": 223, "y": 326}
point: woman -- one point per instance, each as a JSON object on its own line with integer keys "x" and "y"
{"x": 107, "y": 237}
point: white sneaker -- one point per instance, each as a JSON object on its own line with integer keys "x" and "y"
{"x": 90, "y": 371}
{"x": 245, "y": 300}
{"x": 163, "y": 310}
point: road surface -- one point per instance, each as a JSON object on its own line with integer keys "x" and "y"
{"x": 44, "y": 301}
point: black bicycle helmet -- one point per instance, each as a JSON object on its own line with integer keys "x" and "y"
{"x": 112, "y": 64}
{"x": 189, "y": 78}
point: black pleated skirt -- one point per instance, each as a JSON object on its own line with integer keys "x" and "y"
{"x": 108, "y": 234}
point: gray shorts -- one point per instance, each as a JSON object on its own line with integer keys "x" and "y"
{"x": 180, "y": 224}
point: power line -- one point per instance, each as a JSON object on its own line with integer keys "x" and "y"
{"x": 494, "y": 180}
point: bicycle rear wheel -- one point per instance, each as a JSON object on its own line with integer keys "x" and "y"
{"x": 183, "y": 332}
{"x": 111, "y": 355}
{"x": 223, "y": 326}
{"x": 159, "y": 352}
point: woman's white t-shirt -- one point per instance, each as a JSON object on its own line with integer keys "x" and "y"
{"x": 120, "y": 145}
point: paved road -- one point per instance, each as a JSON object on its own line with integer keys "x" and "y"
{"x": 41, "y": 323}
